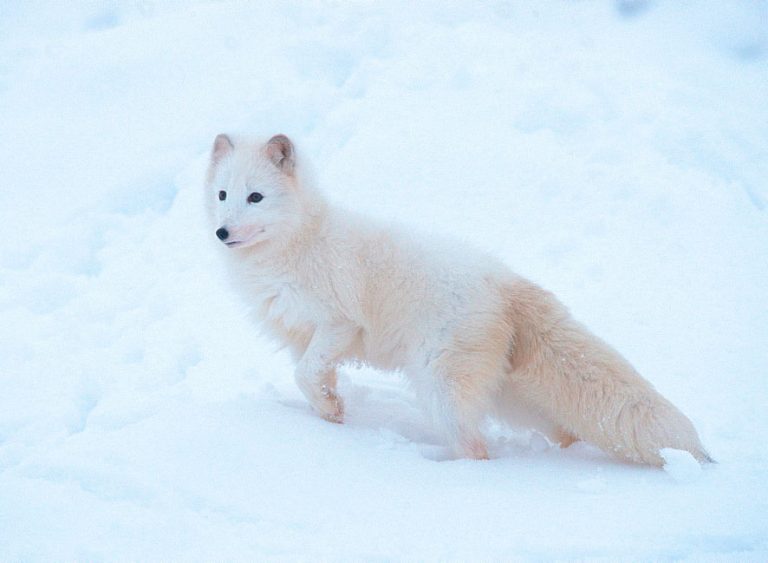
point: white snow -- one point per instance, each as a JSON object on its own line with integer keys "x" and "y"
{"x": 615, "y": 152}
{"x": 680, "y": 465}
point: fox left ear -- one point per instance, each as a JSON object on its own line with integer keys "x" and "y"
{"x": 280, "y": 152}
{"x": 222, "y": 146}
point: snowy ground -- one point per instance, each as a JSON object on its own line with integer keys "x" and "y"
{"x": 615, "y": 152}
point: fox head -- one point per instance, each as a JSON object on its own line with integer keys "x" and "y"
{"x": 253, "y": 192}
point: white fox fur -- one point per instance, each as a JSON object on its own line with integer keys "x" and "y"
{"x": 474, "y": 339}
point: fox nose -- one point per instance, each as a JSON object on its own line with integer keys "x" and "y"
{"x": 222, "y": 233}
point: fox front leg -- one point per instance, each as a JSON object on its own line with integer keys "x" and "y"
{"x": 316, "y": 371}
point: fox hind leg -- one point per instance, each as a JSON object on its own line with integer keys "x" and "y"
{"x": 459, "y": 396}
{"x": 564, "y": 438}
{"x": 460, "y": 422}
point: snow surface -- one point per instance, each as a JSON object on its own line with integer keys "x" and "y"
{"x": 680, "y": 465}
{"x": 615, "y": 152}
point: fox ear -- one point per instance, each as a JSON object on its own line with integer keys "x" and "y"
{"x": 280, "y": 152}
{"x": 222, "y": 146}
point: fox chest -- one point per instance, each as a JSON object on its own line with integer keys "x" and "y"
{"x": 290, "y": 313}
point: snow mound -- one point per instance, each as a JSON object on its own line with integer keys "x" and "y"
{"x": 593, "y": 485}
{"x": 681, "y": 465}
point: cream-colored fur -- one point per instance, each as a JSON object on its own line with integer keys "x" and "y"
{"x": 474, "y": 339}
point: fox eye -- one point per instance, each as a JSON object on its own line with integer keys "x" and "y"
{"x": 222, "y": 195}
{"x": 255, "y": 197}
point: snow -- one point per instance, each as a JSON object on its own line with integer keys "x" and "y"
{"x": 680, "y": 465}
{"x": 614, "y": 152}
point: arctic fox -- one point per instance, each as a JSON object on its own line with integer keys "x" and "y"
{"x": 474, "y": 339}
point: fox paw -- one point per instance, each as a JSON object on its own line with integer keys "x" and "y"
{"x": 331, "y": 406}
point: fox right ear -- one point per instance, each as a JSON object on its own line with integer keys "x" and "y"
{"x": 222, "y": 146}
{"x": 280, "y": 151}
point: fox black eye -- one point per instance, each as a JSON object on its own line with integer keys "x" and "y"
{"x": 255, "y": 197}
{"x": 222, "y": 195}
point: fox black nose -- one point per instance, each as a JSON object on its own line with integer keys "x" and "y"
{"x": 222, "y": 233}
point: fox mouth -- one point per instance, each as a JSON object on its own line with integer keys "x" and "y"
{"x": 243, "y": 242}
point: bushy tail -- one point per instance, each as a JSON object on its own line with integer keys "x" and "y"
{"x": 586, "y": 388}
